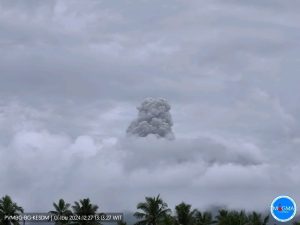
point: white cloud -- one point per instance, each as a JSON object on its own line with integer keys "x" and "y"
{"x": 72, "y": 74}
{"x": 38, "y": 161}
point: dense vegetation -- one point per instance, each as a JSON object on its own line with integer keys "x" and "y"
{"x": 153, "y": 211}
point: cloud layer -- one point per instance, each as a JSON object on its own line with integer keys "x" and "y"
{"x": 205, "y": 169}
{"x": 72, "y": 73}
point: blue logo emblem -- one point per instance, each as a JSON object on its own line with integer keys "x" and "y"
{"x": 283, "y": 208}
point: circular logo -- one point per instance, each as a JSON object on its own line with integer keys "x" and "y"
{"x": 283, "y": 208}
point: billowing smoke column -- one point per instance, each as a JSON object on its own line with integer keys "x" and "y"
{"x": 154, "y": 118}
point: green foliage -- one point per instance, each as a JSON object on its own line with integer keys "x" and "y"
{"x": 257, "y": 219}
{"x": 184, "y": 215}
{"x": 152, "y": 211}
{"x": 204, "y": 218}
{"x": 9, "y": 208}
{"x": 85, "y": 207}
{"x": 240, "y": 218}
{"x": 168, "y": 220}
{"x": 62, "y": 209}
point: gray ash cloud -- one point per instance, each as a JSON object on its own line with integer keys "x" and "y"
{"x": 153, "y": 118}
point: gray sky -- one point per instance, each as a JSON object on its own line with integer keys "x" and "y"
{"x": 73, "y": 72}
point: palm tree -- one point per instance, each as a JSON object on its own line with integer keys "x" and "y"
{"x": 256, "y": 219}
{"x": 85, "y": 208}
{"x": 9, "y": 208}
{"x": 204, "y": 218}
{"x": 153, "y": 212}
{"x": 222, "y": 217}
{"x": 168, "y": 220}
{"x": 232, "y": 218}
{"x": 62, "y": 209}
{"x": 238, "y": 218}
{"x": 183, "y": 214}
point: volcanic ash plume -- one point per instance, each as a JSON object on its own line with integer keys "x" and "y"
{"x": 153, "y": 118}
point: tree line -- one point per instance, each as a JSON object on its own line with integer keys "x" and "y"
{"x": 152, "y": 211}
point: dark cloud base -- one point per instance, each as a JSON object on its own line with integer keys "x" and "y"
{"x": 72, "y": 72}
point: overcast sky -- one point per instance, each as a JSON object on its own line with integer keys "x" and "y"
{"x": 73, "y": 72}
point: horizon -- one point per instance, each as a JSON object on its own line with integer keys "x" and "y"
{"x": 118, "y": 100}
